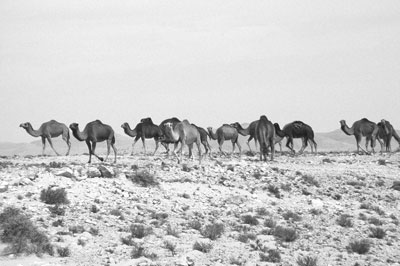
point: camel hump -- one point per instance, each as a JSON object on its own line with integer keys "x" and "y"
{"x": 186, "y": 121}
{"x": 98, "y": 121}
{"x": 365, "y": 120}
{"x": 53, "y": 121}
{"x": 264, "y": 118}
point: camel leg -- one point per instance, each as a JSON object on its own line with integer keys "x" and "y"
{"x": 157, "y": 144}
{"x": 115, "y": 152}
{"x": 199, "y": 149}
{"x": 248, "y": 143}
{"x": 51, "y": 145}
{"x": 190, "y": 151}
{"x": 108, "y": 149}
{"x": 288, "y": 142}
{"x": 133, "y": 145}
{"x": 43, "y": 145}
{"x": 144, "y": 145}
{"x": 90, "y": 150}
{"x": 66, "y": 139}
{"x": 94, "y": 151}
{"x": 382, "y": 144}
{"x": 174, "y": 151}
{"x": 272, "y": 145}
{"x": 220, "y": 146}
{"x": 303, "y": 145}
{"x": 240, "y": 148}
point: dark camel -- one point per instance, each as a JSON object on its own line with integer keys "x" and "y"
{"x": 385, "y": 134}
{"x": 265, "y": 133}
{"x": 95, "y": 132}
{"x": 251, "y": 130}
{"x": 297, "y": 129}
{"x": 225, "y": 132}
{"x": 146, "y": 129}
{"x": 48, "y": 130}
{"x": 186, "y": 134}
{"x": 362, "y": 128}
{"x": 204, "y": 139}
{"x": 165, "y": 141}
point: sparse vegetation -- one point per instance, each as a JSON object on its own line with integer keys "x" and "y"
{"x": 54, "y": 196}
{"x": 290, "y": 215}
{"x": 307, "y": 261}
{"x": 249, "y": 219}
{"x": 377, "y": 232}
{"x": 143, "y": 178}
{"x": 139, "y": 230}
{"x": 213, "y": 231}
{"x": 203, "y": 246}
{"x": 172, "y": 230}
{"x": 310, "y": 180}
{"x": 272, "y": 255}
{"x": 344, "y": 220}
{"x": 359, "y": 246}
{"x": 286, "y": 234}
{"x": 171, "y": 246}
{"x": 64, "y": 252}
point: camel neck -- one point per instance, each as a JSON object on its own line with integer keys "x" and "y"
{"x": 172, "y": 134}
{"x": 128, "y": 131}
{"x": 32, "y": 132}
{"x": 347, "y": 130}
{"x": 242, "y": 131}
{"x": 212, "y": 134}
{"x": 81, "y": 136}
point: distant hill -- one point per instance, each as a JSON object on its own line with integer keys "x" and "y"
{"x": 331, "y": 141}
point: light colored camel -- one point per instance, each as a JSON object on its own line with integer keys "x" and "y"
{"x": 265, "y": 132}
{"x": 186, "y": 134}
{"x": 94, "y": 132}
{"x": 362, "y": 128}
{"x": 48, "y": 130}
{"x": 225, "y": 132}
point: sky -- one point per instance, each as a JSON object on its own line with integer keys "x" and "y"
{"x": 211, "y": 62}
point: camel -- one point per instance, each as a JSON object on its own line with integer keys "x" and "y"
{"x": 94, "y": 132}
{"x": 204, "y": 139}
{"x": 144, "y": 130}
{"x": 165, "y": 141}
{"x": 251, "y": 130}
{"x": 385, "y": 133}
{"x": 361, "y": 128}
{"x": 48, "y": 130}
{"x": 186, "y": 134}
{"x": 265, "y": 133}
{"x": 225, "y": 132}
{"x": 297, "y": 129}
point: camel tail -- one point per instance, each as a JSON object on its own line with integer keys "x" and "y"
{"x": 396, "y": 136}
{"x": 113, "y": 140}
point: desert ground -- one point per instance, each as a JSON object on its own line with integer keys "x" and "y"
{"x": 329, "y": 208}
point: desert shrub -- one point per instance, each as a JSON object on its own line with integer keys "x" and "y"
{"x": 144, "y": 178}
{"x": 315, "y": 211}
{"x": 249, "y": 219}
{"x": 21, "y": 234}
{"x": 262, "y": 211}
{"x": 272, "y": 255}
{"x": 381, "y": 162}
{"x": 57, "y": 210}
{"x": 57, "y": 223}
{"x": 137, "y": 250}
{"x": 285, "y": 233}
{"x": 64, "y": 252}
{"x": 290, "y": 215}
{"x": 118, "y": 213}
{"x": 172, "y": 230}
{"x": 307, "y": 261}
{"x": 202, "y": 246}
{"x": 129, "y": 240}
{"x": 309, "y": 179}
{"x": 270, "y": 223}
{"x": 374, "y": 221}
{"x": 213, "y": 231}
{"x": 355, "y": 183}
{"x": 359, "y": 246}
{"x": 195, "y": 224}
{"x": 244, "y": 237}
{"x": 344, "y": 220}
{"x": 171, "y": 246}
{"x": 94, "y": 231}
{"x": 94, "y": 209}
{"x": 54, "y": 196}
{"x": 274, "y": 190}
{"x": 76, "y": 229}
{"x": 140, "y": 230}
{"x": 377, "y": 232}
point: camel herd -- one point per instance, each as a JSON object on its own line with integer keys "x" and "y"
{"x": 175, "y": 131}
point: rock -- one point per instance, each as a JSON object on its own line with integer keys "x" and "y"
{"x": 317, "y": 204}
{"x": 106, "y": 172}
{"x": 93, "y": 172}
{"x": 66, "y": 172}
{"x": 3, "y": 187}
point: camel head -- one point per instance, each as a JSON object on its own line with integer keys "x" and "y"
{"x": 125, "y": 125}
{"x": 168, "y": 125}
{"x": 385, "y": 127}
{"x": 25, "y": 125}
{"x": 74, "y": 126}
{"x": 236, "y": 125}
{"x": 342, "y": 123}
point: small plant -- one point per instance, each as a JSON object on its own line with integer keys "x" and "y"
{"x": 274, "y": 190}
{"x": 57, "y": 210}
{"x": 270, "y": 223}
{"x": 77, "y": 229}
{"x": 344, "y": 220}
{"x": 94, "y": 209}
{"x": 315, "y": 211}
{"x": 171, "y": 230}
{"x": 290, "y": 215}
{"x": 273, "y": 255}
{"x": 249, "y": 219}
{"x": 195, "y": 224}
{"x": 309, "y": 179}
{"x": 202, "y": 246}
{"x": 144, "y": 178}
{"x": 262, "y": 211}
{"x": 244, "y": 237}
{"x": 307, "y": 261}
{"x": 139, "y": 230}
{"x": 377, "y": 232}
{"x": 213, "y": 231}
{"x": 118, "y": 213}
{"x": 129, "y": 240}
{"x": 64, "y": 252}
{"x": 57, "y": 223}
{"x": 171, "y": 246}
{"x": 359, "y": 246}
{"x": 21, "y": 234}
{"x": 375, "y": 221}
{"x": 54, "y": 196}
{"x": 137, "y": 250}
{"x": 94, "y": 231}
{"x": 285, "y": 233}
{"x": 381, "y": 162}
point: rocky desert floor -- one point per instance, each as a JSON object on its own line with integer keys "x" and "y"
{"x": 336, "y": 208}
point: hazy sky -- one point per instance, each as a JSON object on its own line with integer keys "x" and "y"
{"x": 211, "y": 62}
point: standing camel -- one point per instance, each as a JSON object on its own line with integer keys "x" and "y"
{"x": 48, "y": 130}
{"x": 204, "y": 139}
{"x": 265, "y": 132}
{"x": 297, "y": 129}
{"x": 94, "y": 132}
{"x": 225, "y": 132}
{"x": 144, "y": 130}
{"x": 361, "y": 128}
{"x": 165, "y": 140}
{"x": 186, "y": 134}
{"x": 385, "y": 133}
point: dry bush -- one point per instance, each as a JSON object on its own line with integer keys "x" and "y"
{"x": 344, "y": 220}
{"x": 64, "y": 252}
{"x": 213, "y": 231}
{"x": 172, "y": 230}
{"x": 144, "y": 178}
{"x": 140, "y": 230}
{"x": 272, "y": 255}
{"x": 244, "y": 237}
{"x": 171, "y": 246}
{"x": 290, "y": 215}
{"x": 203, "y": 246}
{"x": 377, "y": 232}
{"x": 307, "y": 261}
{"x": 249, "y": 219}
{"x": 359, "y": 246}
{"x": 285, "y": 233}
{"x": 54, "y": 196}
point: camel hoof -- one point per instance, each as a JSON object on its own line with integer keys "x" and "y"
{"x": 101, "y": 159}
